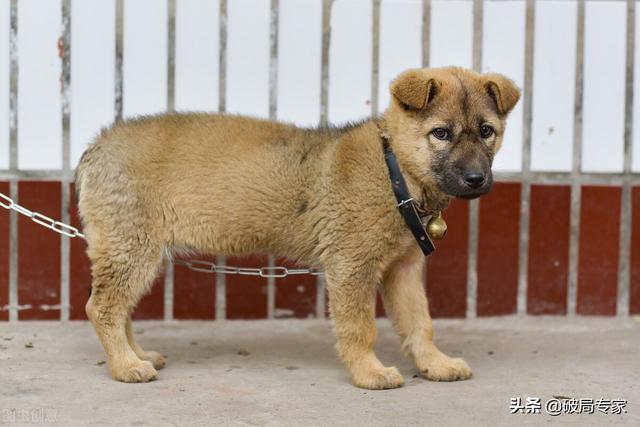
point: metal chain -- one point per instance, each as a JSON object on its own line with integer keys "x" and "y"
{"x": 267, "y": 272}
{"x": 57, "y": 226}
{"x": 192, "y": 264}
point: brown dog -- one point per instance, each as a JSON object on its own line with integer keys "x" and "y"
{"x": 236, "y": 186}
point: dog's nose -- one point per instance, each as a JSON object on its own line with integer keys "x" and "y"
{"x": 474, "y": 179}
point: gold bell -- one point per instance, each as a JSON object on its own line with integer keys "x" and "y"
{"x": 437, "y": 227}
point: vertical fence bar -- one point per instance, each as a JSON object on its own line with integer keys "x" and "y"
{"x": 171, "y": 94}
{"x": 478, "y": 19}
{"x": 326, "y": 40}
{"x": 221, "y": 283}
{"x": 222, "y": 58}
{"x": 324, "y": 114}
{"x": 426, "y": 41}
{"x": 64, "y": 46}
{"x": 426, "y": 32}
{"x": 472, "y": 264}
{"x": 375, "y": 55}
{"x": 118, "y": 63}
{"x": 525, "y": 195}
{"x": 273, "y": 62}
{"x": 576, "y": 166}
{"x": 273, "y": 111}
{"x": 375, "y": 59}
{"x": 625, "y": 211}
{"x": 271, "y": 291}
{"x": 13, "y": 161}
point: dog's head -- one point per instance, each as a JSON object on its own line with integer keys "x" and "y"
{"x": 447, "y": 124}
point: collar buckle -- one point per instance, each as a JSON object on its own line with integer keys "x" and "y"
{"x": 404, "y": 202}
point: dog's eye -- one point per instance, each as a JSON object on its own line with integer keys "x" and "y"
{"x": 441, "y": 133}
{"x": 486, "y": 131}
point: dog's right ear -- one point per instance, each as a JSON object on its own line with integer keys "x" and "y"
{"x": 414, "y": 89}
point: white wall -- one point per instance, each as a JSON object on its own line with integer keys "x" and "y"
{"x": 39, "y": 100}
{"x": 92, "y": 71}
{"x": 196, "y": 55}
{"x": 503, "y": 52}
{"x": 604, "y": 86}
{"x": 400, "y": 42}
{"x": 248, "y": 53}
{"x": 144, "y": 62}
{"x": 554, "y": 73}
{"x": 299, "y": 61}
{"x": 298, "y": 66}
{"x": 350, "y": 61}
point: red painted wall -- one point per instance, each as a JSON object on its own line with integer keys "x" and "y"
{"x": 498, "y": 251}
{"x": 446, "y": 276}
{"x": 634, "y": 285}
{"x": 4, "y": 257}
{"x": 447, "y": 266}
{"x": 548, "y": 267}
{"x": 599, "y": 246}
{"x": 39, "y": 252}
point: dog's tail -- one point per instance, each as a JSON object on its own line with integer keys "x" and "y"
{"x": 88, "y": 161}
{"x": 77, "y": 178}
{"x": 88, "y": 165}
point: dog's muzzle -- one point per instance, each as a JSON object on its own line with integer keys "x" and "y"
{"x": 468, "y": 184}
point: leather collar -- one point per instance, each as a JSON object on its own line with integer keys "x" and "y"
{"x": 408, "y": 208}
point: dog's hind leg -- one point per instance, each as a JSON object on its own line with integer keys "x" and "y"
{"x": 154, "y": 357}
{"x": 121, "y": 275}
{"x": 405, "y": 302}
{"x": 352, "y": 305}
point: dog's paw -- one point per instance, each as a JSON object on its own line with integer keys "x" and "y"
{"x": 445, "y": 368}
{"x": 157, "y": 360}
{"x": 378, "y": 378}
{"x": 140, "y": 371}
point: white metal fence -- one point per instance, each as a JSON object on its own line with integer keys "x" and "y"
{"x": 69, "y": 67}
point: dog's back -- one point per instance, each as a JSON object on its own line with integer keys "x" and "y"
{"x": 217, "y": 183}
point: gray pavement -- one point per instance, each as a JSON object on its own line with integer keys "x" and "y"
{"x": 286, "y": 373}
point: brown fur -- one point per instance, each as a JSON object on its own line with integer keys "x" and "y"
{"x": 236, "y": 186}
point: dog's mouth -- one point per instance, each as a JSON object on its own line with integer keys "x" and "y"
{"x": 467, "y": 185}
{"x": 470, "y": 196}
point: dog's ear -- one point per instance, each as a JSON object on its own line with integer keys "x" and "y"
{"x": 414, "y": 89}
{"x": 504, "y": 92}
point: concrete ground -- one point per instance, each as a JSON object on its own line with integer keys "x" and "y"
{"x": 286, "y": 373}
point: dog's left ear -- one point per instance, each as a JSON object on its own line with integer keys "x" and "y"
{"x": 504, "y": 92}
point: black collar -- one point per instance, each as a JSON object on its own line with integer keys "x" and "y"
{"x": 405, "y": 201}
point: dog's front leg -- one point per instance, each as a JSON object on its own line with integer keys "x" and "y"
{"x": 405, "y": 302}
{"x": 352, "y": 305}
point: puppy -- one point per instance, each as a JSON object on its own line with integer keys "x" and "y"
{"x": 236, "y": 186}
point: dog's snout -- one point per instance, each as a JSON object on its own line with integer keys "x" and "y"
{"x": 474, "y": 179}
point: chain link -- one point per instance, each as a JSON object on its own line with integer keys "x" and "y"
{"x": 57, "y": 226}
{"x": 266, "y": 272}
{"x": 192, "y": 264}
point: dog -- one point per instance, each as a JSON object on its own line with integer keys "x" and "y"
{"x": 234, "y": 185}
